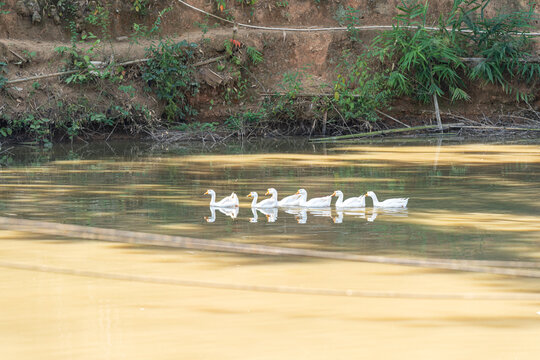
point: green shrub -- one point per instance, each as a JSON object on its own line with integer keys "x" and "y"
{"x": 500, "y": 42}
{"x": 425, "y": 63}
{"x": 349, "y": 17}
{"x": 79, "y": 58}
{"x": 170, "y": 75}
{"x": 359, "y": 90}
{"x": 428, "y": 64}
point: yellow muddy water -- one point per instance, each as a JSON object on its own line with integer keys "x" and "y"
{"x": 68, "y": 298}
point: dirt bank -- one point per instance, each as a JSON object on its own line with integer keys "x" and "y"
{"x": 32, "y": 30}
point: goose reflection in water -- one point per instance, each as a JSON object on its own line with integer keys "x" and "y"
{"x": 395, "y": 212}
{"x": 357, "y": 213}
{"x": 231, "y": 212}
{"x": 323, "y": 212}
{"x": 270, "y": 213}
{"x": 299, "y": 214}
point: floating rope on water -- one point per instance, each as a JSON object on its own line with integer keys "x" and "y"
{"x": 508, "y": 268}
{"x": 273, "y": 289}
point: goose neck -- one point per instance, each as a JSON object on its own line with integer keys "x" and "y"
{"x": 339, "y": 200}
{"x": 254, "y": 201}
{"x": 212, "y": 198}
{"x": 303, "y": 199}
{"x": 375, "y": 200}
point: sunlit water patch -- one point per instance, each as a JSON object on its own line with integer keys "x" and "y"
{"x": 466, "y": 200}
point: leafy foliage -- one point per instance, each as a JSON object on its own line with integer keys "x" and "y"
{"x": 430, "y": 63}
{"x": 100, "y": 16}
{"x": 66, "y": 8}
{"x": 500, "y": 43}
{"x": 3, "y": 73}
{"x": 3, "y": 12}
{"x": 425, "y": 63}
{"x": 71, "y": 120}
{"x": 141, "y": 6}
{"x": 239, "y": 122}
{"x": 254, "y": 55}
{"x": 79, "y": 59}
{"x": 349, "y": 17}
{"x": 170, "y": 75}
{"x": 359, "y": 91}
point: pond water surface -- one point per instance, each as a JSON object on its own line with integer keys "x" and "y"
{"x": 467, "y": 201}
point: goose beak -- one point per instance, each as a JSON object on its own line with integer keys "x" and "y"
{"x": 333, "y": 194}
{"x": 366, "y": 194}
{"x": 206, "y": 193}
{"x": 267, "y": 192}
{"x": 298, "y": 192}
{"x": 249, "y": 195}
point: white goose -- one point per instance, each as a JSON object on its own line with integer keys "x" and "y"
{"x": 315, "y": 202}
{"x": 389, "y": 203}
{"x": 291, "y": 200}
{"x": 229, "y": 201}
{"x": 353, "y": 202}
{"x": 266, "y": 203}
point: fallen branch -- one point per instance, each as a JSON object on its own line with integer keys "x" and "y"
{"x": 17, "y": 55}
{"x": 209, "y": 61}
{"x": 384, "y": 132}
{"x": 37, "y": 77}
{"x": 497, "y": 128}
{"x": 131, "y": 62}
{"x": 392, "y": 118}
{"x": 420, "y": 128}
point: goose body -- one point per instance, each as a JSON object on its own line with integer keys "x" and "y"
{"x": 291, "y": 200}
{"x": 266, "y": 203}
{"x": 319, "y": 202}
{"x": 389, "y": 203}
{"x": 229, "y": 201}
{"x": 353, "y": 202}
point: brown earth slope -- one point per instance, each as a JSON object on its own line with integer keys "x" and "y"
{"x": 32, "y": 29}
